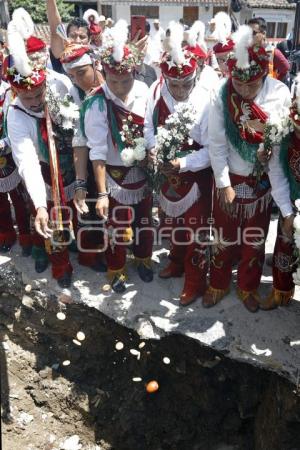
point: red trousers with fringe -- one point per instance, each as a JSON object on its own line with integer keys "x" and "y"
{"x": 20, "y": 201}
{"x": 241, "y": 240}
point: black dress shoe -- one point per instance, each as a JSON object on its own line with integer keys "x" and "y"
{"x": 99, "y": 267}
{"x": 118, "y": 284}
{"x": 65, "y": 280}
{"x": 5, "y": 248}
{"x": 26, "y": 250}
{"x": 145, "y": 273}
{"x": 41, "y": 265}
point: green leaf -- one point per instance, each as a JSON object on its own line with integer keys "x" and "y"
{"x": 37, "y": 9}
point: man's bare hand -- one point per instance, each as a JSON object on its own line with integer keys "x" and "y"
{"x": 140, "y": 44}
{"x": 287, "y": 226}
{"x": 228, "y": 195}
{"x": 79, "y": 201}
{"x": 41, "y": 223}
{"x": 102, "y": 206}
{"x": 170, "y": 168}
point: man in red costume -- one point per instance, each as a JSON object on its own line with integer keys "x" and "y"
{"x": 11, "y": 184}
{"x": 113, "y": 118}
{"x": 284, "y": 165}
{"x": 242, "y": 200}
{"x": 45, "y": 166}
{"x": 185, "y": 196}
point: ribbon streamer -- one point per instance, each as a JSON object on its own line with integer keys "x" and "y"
{"x": 54, "y": 169}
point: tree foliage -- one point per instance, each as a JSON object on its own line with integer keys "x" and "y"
{"x": 37, "y": 9}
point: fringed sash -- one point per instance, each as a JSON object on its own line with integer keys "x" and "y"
{"x": 251, "y": 196}
{"x": 127, "y": 185}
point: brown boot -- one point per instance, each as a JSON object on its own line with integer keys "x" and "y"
{"x": 250, "y": 299}
{"x": 171, "y": 271}
{"x": 213, "y": 296}
{"x": 276, "y": 298}
{"x": 190, "y": 294}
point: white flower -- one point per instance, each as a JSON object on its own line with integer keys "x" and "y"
{"x": 67, "y": 124}
{"x": 71, "y": 111}
{"x": 127, "y": 156}
{"x": 297, "y": 240}
{"x": 140, "y": 142}
{"x": 297, "y": 204}
{"x": 139, "y": 153}
{"x": 296, "y": 279}
{"x": 297, "y": 222}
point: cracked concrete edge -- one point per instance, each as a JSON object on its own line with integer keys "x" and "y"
{"x": 217, "y": 330}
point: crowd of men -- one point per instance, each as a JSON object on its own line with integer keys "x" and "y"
{"x": 81, "y": 123}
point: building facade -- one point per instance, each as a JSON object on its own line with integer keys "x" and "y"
{"x": 278, "y": 13}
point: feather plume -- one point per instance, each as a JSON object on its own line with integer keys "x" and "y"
{"x": 223, "y": 26}
{"x": 175, "y": 42}
{"x": 17, "y": 50}
{"x": 119, "y": 34}
{"x": 89, "y": 13}
{"x": 243, "y": 39}
{"x": 23, "y": 22}
{"x": 196, "y": 33}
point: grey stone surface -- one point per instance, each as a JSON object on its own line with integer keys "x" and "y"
{"x": 270, "y": 340}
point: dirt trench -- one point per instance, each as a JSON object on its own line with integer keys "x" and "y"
{"x": 205, "y": 400}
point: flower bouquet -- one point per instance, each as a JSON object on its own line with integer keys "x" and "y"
{"x": 277, "y": 128}
{"x": 63, "y": 110}
{"x": 173, "y": 139}
{"x": 132, "y": 137}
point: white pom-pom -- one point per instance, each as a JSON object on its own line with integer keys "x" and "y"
{"x": 23, "y": 22}
{"x": 223, "y": 27}
{"x": 89, "y": 13}
{"x": 243, "y": 39}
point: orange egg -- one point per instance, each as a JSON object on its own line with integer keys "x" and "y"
{"x": 152, "y": 386}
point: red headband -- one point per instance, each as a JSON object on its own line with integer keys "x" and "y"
{"x": 220, "y": 48}
{"x": 179, "y": 71}
{"x": 18, "y": 81}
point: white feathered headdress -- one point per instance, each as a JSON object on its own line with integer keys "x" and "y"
{"x": 89, "y": 13}
{"x": 119, "y": 36}
{"x": 175, "y": 42}
{"x": 243, "y": 39}
{"x": 115, "y": 49}
{"x": 196, "y": 35}
{"x": 20, "y": 28}
{"x": 223, "y": 27}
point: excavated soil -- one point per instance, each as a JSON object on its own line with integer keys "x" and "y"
{"x": 205, "y": 400}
